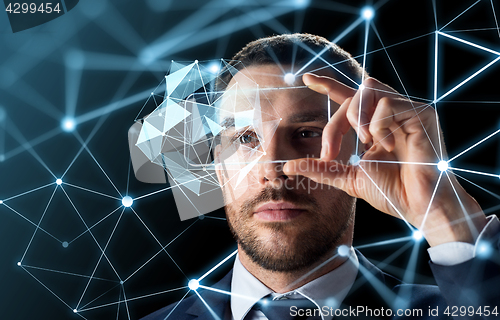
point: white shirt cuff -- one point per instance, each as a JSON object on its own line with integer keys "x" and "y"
{"x": 451, "y": 253}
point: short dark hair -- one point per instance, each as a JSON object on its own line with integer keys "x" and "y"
{"x": 296, "y": 50}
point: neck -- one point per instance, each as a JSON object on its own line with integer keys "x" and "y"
{"x": 282, "y": 282}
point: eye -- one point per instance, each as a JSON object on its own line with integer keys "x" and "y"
{"x": 309, "y": 134}
{"x": 247, "y": 138}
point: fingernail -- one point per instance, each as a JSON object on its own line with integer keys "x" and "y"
{"x": 362, "y": 136}
{"x": 318, "y": 87}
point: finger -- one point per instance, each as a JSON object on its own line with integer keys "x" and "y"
{"x": 335, "y": 129}
{"x": 363, "y": 106}
{"x": 326, "y": 172}
{"x": 389, "y": 115}
{"x": 336, "y": 90}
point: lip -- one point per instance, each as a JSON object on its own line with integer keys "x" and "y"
{"x": 278, "y": 211}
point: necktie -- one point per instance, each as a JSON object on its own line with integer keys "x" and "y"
{"x": 288, "y": 309}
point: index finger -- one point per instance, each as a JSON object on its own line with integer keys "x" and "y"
{"x": 336, "y": 90}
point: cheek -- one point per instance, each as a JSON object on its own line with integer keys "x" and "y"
{"x": 238, "y": 180}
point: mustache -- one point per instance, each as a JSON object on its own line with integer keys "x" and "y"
{"x": 281, "y": 194}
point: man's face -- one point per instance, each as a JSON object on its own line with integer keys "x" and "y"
{"x": 281, "y": 223}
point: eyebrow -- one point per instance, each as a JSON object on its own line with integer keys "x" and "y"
{"x": 308, "y": 117}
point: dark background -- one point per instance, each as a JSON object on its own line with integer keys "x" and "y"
{"x": 91, "y": 58}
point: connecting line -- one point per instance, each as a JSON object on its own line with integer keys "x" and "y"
{"x": 31, "y": 222}
{"x": 430, "y": 202}
{"x": 313, "y": 270}
{"x": 388, "y": 200}
{"x": 176, "y": 305}
{"x": 495, "y": 16}
{"x": 434, "y": 10}
{"x": 383, "y": 243}
{"x": 132, "y": 299}
{"x": 100, "y": 258}
{"x": 163, "y": 248}
{"x": 126, "y": 303}
{"x": 216, "y": 317}
{"x": 367, "y": 31}
{"x": 103, "y": 295}
{"x": 436, "y": 65}
{"x": 225, "y": 292}
{"x": 44, "y": 137}
{"x": 399, "y": 162}
{"x": 22, "y": 140}
{"x": 96, "y": 192}
{"x": 471, "y": 76}
{"x": 472, "y": 228}
{"x": 408, "y": 277}
{"x": 475, "y": 145}
{"x": 476, "y": 172}
{"x": 66, "y": 273}
{"x": 39, "y": 222}
{"x": 218, "y": 265}
{"x": 337, "y": 39}
{"x": 90, "y": 153}
{"x": 91, "y": 234}
{"x": 27, "y": 192}
{"x": 91, "y": 135}
{"x": 485, "y": 190}
{"x": 95, "y": 224}
{"x": 404, "y": 87}
{"x": 40, "y": 282}
{"x": 460, "y": 14}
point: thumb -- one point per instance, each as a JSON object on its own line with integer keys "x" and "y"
{"x": 331, "y": 173}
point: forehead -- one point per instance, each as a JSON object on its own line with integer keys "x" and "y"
{"x": 263, "y": 87}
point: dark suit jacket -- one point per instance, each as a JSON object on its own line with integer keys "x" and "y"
{"x": 473, "y": 283}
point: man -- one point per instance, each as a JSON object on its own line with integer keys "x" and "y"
{"x": 292, "y": 214}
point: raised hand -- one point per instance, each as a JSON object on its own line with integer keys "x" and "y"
{"x": 398, "y": 173}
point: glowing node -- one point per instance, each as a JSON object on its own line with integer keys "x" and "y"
{"x": 75, "y": 311}
{"x": 343, "y": 250}
{"x": 127, "y": 201}
{"x": 65, "y": 244}
{"x": 214, "y": 68}
{"x": 354, "y": 160}
{"x": 59, "y": 182}
{"x": 483, "y": 249}
{"x": 19, "y": 263}
{"x": 201, "y": 217}
{"x": 417, "y": 235}
{"x": 301, "y": 3}
{"x": 361, "y": 87}
{"x": 68, "y": 124}
{"x": 1, "y": 201}
{"x": 442, "y": 165}
{"x": 367, "y": 13}
{"x": 289, "y": 78}
{"x": 193, "y": 284}
{"x": 152, "y": 93}
{"x": 196, "y": 61}
{"x": 121, "y": 282}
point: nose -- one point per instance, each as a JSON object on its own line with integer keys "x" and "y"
{"x": 271, "y": 166}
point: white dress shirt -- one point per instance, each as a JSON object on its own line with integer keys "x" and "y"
{"x": 246, "y": 290}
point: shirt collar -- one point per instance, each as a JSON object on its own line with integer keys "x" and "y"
{"x": 330, "y": 289}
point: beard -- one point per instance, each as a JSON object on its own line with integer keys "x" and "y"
{"x": 293, "y": 245}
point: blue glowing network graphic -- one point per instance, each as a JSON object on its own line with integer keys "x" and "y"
{"x": 87, "y": 235}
